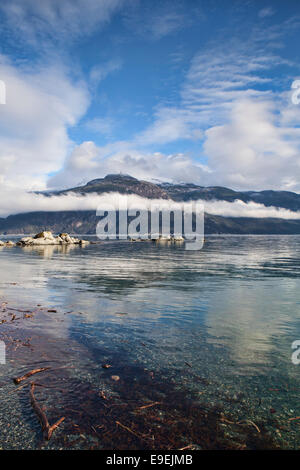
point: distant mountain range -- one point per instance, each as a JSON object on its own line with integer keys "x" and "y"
{"x": 85, "y": 221}
{"x": 126, "y": 184}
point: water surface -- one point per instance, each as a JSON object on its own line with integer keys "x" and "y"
{"x": 215, "y": 325}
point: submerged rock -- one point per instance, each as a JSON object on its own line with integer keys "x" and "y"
{"x": 47, "y": 238}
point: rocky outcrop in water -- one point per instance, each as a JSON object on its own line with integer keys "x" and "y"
{"x": 47, "y": 238}
{"x": 8, "y": 243}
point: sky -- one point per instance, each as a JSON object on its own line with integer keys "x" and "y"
{"x": 182, "y": 91}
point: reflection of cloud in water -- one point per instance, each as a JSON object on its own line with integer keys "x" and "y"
{"x": 243, "y": 289}
{"x": 248, "y": 317}
{"x": 138, "y": 306}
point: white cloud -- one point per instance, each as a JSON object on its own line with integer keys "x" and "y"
{"x": 87, "y": 161}
{"x": 215, "y": 81}
{"x": 57, "y": 19}
{"x": 102, "y": 126}
{"x": 250, "y": 209}
{"x": 265, "y": 12}
{"x": 247, "y": 133}
{"x": 163, "y": 25}
{"x": 252, "y": 150}
{"x": 100, "y": 71}
{"x": 40, "y": 107}
{"x": 250, "y": 133}
{"x": 37, "y": 202}
{"x": 155, "y": 20}
{"x": 170, "y": 124}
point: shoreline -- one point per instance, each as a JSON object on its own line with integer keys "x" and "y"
{"x": 132, "y": 409}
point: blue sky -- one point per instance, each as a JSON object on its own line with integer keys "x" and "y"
{"x": 185, "y": 91}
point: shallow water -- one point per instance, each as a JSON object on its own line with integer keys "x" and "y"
{"x": 214, "y": 325}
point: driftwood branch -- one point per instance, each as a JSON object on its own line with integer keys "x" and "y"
{"x": 46, "y": 428}
{"x": 149, "y": 406}
{"x": 140, "y": 436}
{"x": 18, "y": 380}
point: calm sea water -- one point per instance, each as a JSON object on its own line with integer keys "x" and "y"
{"x": 217, "y": 324}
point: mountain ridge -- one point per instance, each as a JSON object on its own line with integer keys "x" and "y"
{"x": 85, "y": 221}
{"x": 126, "y": 184}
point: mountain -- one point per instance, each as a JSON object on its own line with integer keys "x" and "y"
{"x": 123, "y": 184}
{"x": 85, "y": 221}
{"x": 126, "y": 184}
{"x": 192, "y": 192}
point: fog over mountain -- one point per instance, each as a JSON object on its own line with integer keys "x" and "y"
{"x": 227, "y": 211}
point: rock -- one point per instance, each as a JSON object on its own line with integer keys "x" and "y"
{"x": 1, "y": 243}
{"x": 169, "y": 239}
{"x": 46, "y": 235}
{"x": 25, "y": 241}
{"x": 178, "y": 239}
{"x": 65, "y": 237}
{"x": 84, "y": 242}
{"x": 32, "y": 241}
{"x": 47, "y": 238}
{"x": 102, "y": 395}
{"x": 163, "y": 239}
{"x": 9, "y": 243}
{"x": 115, "y": 378}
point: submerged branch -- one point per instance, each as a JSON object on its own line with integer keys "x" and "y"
{"x": 18, "y": 380}
{"x": 46, "y": 428}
